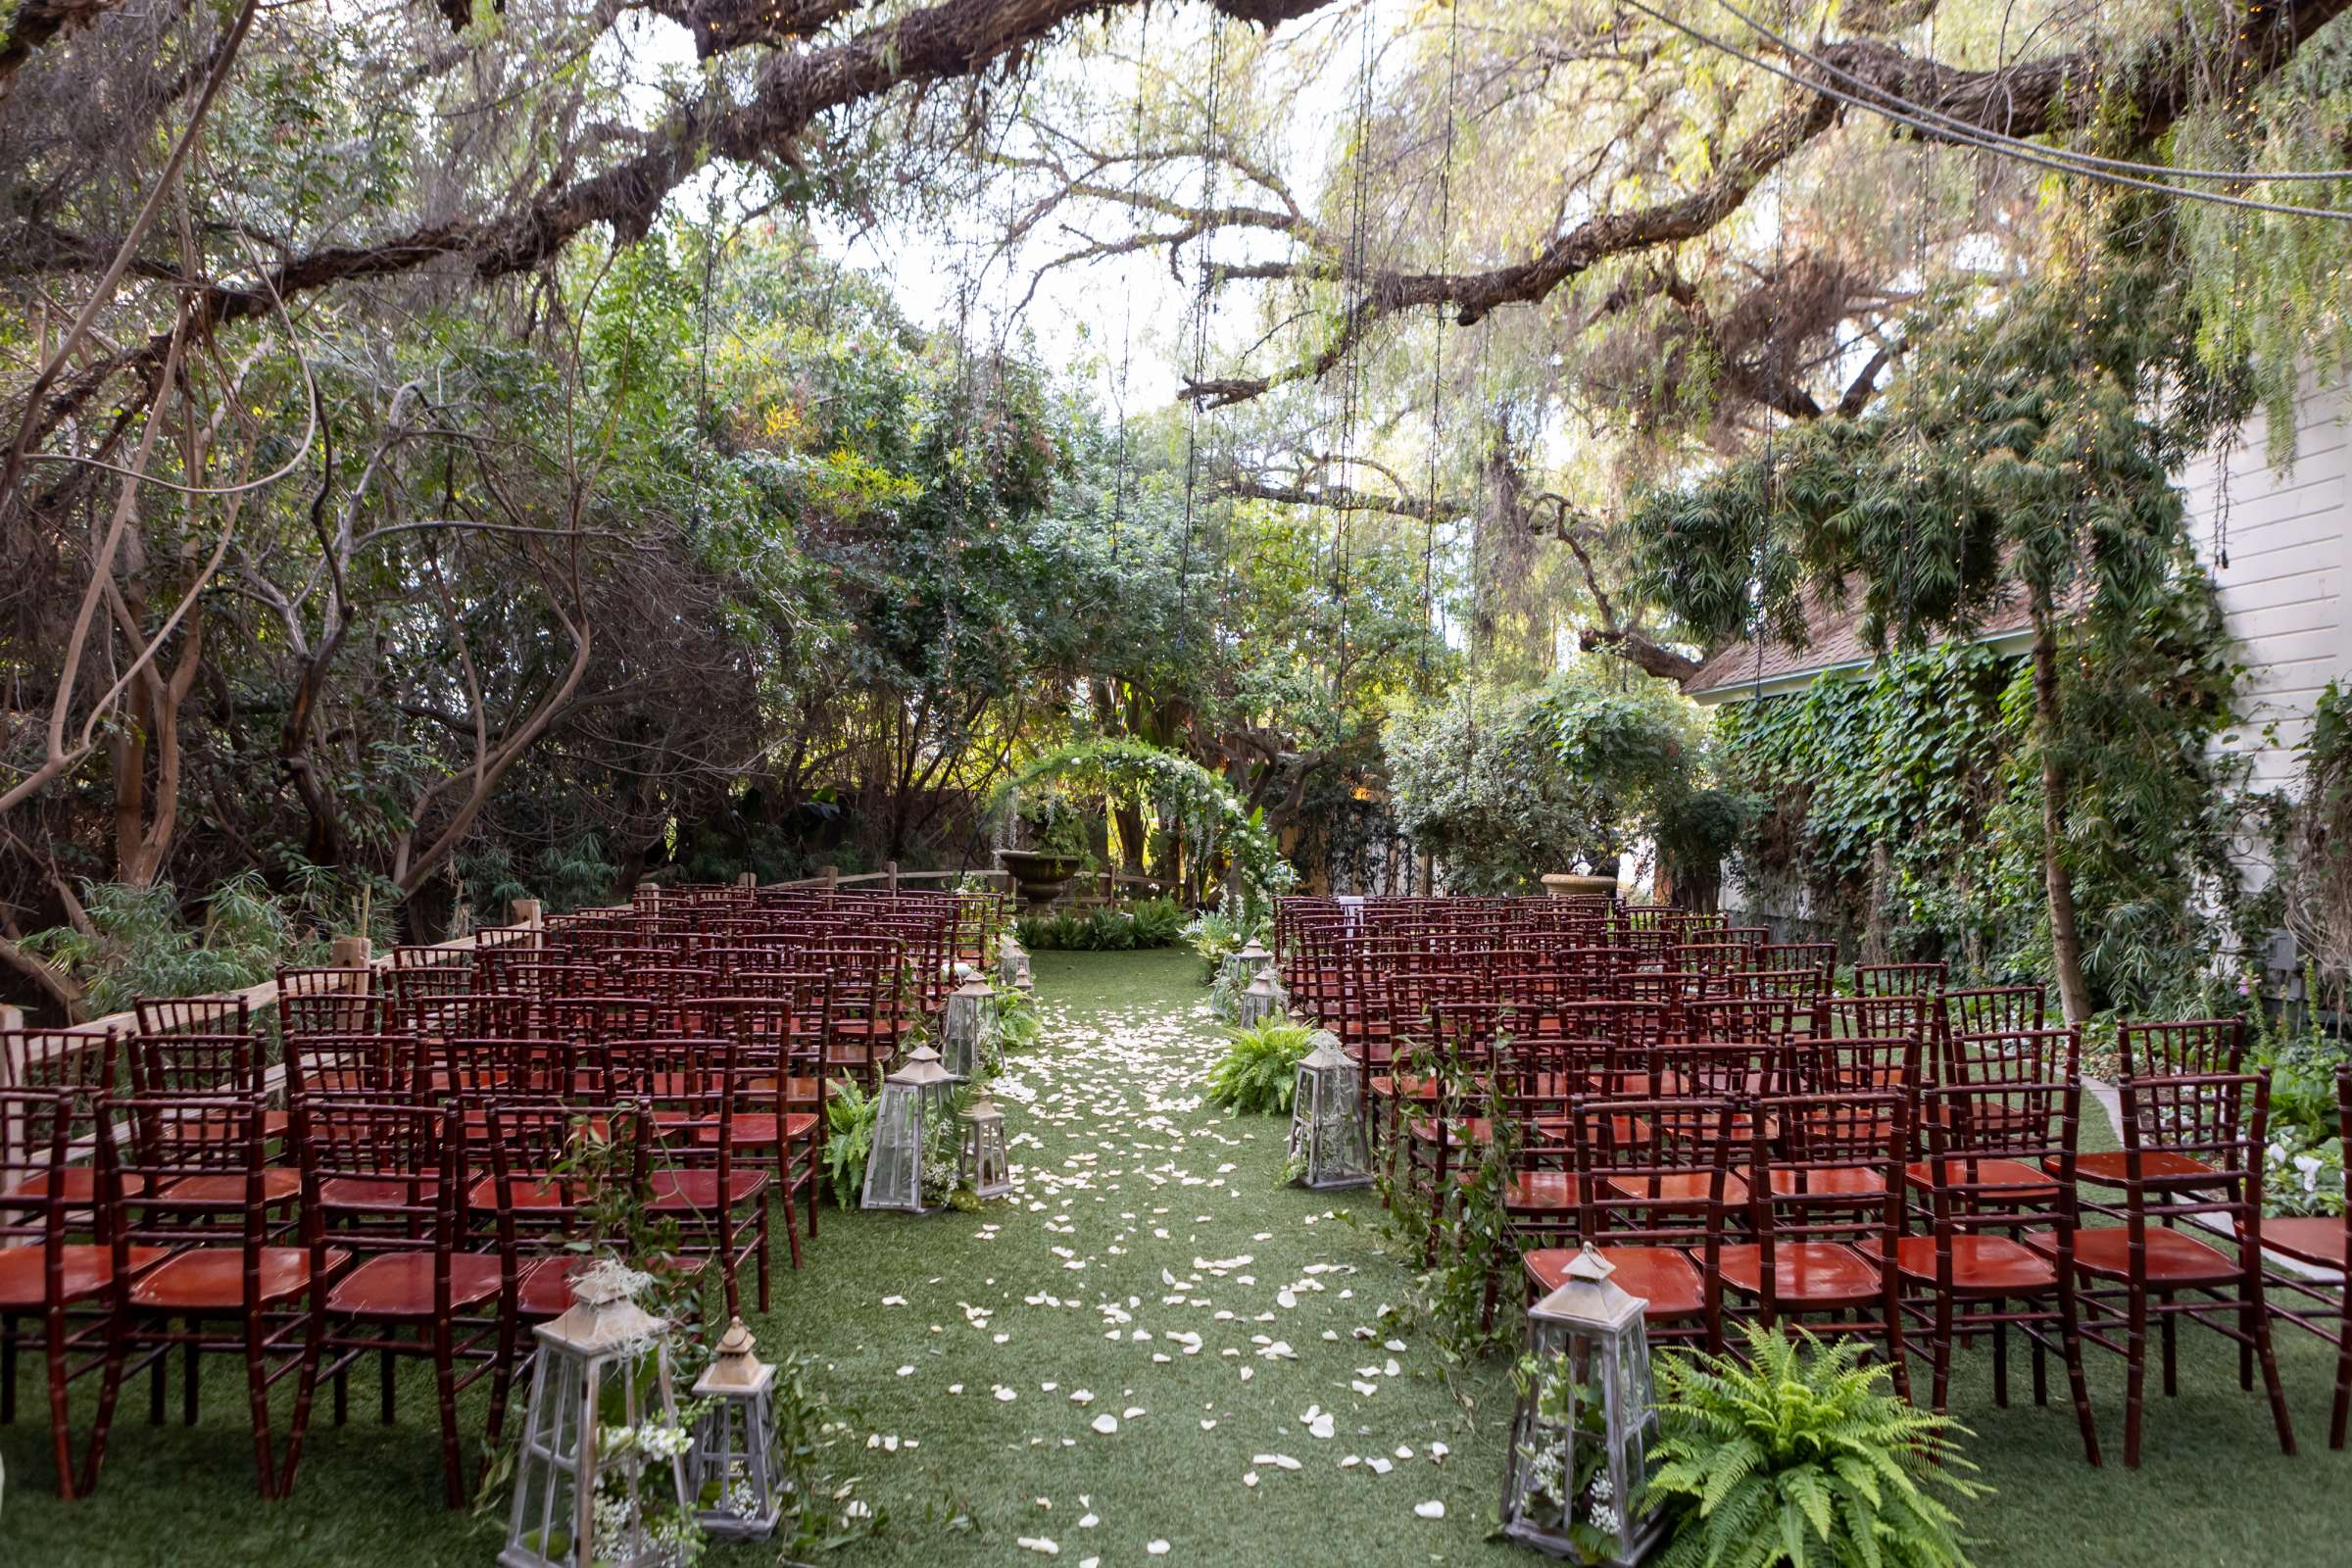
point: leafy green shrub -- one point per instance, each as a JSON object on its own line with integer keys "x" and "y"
{"x": 1803, "y": 1457}
{"x": 1260, "y": 1070}
{"x": 138, "y": 944}
{"x": 1213, "y": 936}
{"x": 1113, "y": 928}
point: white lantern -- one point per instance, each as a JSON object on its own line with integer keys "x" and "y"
{"x": 1579, "y": 1457}
{"x": 1013, "y": 964}
{"x": 1245, "y": 961}
{"x": 894, "y": 1166}
{"x": 986, "y": 1165}
{"x": 1330, "y": 1151}
{"x": 1262, "y": 998}
{"x": 737, "y": 1466}
{"x": 581, "y": 1482}
{"x": 966, "y": 1027}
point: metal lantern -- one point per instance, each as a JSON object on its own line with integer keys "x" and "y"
{"x": 1013, "y": 964}
{"x": 985, "y": 1166}
{"x": 1247, "y": 959}
{"x": 967, "y": 1025}
{"x": 737, "y": 1466}
{"x": 1262, "y": 998}
{"x": 1579, "y": 1457}
{"x": 894, "y": 1167}
{"x": 602, "y": 1367}
{"x": 1329, "y": 1149}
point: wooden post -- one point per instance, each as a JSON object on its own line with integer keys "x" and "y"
{"x": 832, "y": 876}
{"x": 892, "y": 869}
{"x": 11, "y": 1017}
{"x": 352, "y": 953}
{"x": 748, "y": 879}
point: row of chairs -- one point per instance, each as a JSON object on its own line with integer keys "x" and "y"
{"x": 410, "y": 1167}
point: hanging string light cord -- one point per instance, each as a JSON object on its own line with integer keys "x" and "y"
{"x": 1437, "y": 359}
{"x": 1192, "y": 436}
{"x": 1886, "y": 107}
{"x": 1352, "y": 384}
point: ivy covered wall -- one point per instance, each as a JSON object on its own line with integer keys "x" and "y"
{"x": 1900, "y": 811}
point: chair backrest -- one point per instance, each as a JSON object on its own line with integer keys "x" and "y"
{"x": 551, "y": 1162}
{"x": 169, "y": 1065}
{"x": 196, "y": 1164}
{"x": 409, "y": 1158}
{"x": 1895, "y": 1013}
{"x": 193, "y": 1015}
{"x": 38, "y": 1128}
{"x": 1832, "y": 1064}
{"x": 1901, "y": 979}
{"x": 2212, "y": 1122}
{"x": 2186, "y": 1048}
{"x": 481, "y": 1072}
{"x": 2034, "y": 1124}
{"x": 81, "y": 1059}
{"x": 1994, "y": 1010}
{"x": 2013, "y": 1056}
{"x": 1829, "y": 1167}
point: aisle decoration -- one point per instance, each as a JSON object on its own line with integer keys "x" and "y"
{"x": 1330, "y": 1150}
{"x": 590, "y": 1489}
{"x": 986, "y": 1163}
{"x": 737, "y": 1465}
{"x": 1262, "y": 1000}
{"x": 913, "y": 1099}
{"x": 1580, "y": 1459}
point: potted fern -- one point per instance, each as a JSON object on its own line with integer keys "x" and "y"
{"x": 1803, "y": 1457}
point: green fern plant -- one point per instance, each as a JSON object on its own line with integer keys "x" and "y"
{"x": 1805, "y": 1458}
{"x": 849, "y": 1139}
{"x": 1260, "y": 1070}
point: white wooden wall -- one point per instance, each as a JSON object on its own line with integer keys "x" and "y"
{"x": 2288, "y": 539}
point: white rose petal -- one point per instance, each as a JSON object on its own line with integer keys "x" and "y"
{"x": 1432, "y": 1509}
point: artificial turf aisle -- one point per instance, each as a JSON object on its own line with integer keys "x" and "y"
{"x": 1145, "y": 1219}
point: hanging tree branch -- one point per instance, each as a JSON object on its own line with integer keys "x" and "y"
{"x": 2136, "y": 98}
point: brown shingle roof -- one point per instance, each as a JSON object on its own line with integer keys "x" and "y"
{"x": 1834, "y": 641}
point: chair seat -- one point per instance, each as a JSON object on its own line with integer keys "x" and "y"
{"x": 2155, "y": 1164}
{"x": 1541, "y": 1192}
{"x": 680, "y": 1190}
{"x": 1664, "y": 1278}
{"x": 529, "y": 1193}
{"x": 401, "y": 1285}
{"x": 759, "y": 1131}
{"x": 278, "y": 1185}
{"x": 1992, "y": 1181}
{"x": 1981, "y": 1265}
{"x": 1844, "y": 1181}
{"x": 1811, "y": 1274}
{"x": 1690, "y": 1186}
{"x": 1405, "y": 1086}
{"x": 212, "y": 1278}
{"x": 1457, "y": 1129}
{"x": 2173, "y": 1257}
{"x": 2308, "y": 1238}
{"x": 369, "y": 1192}
{"x": 88, "y": 1270}
{"x": 77, "y": 1185}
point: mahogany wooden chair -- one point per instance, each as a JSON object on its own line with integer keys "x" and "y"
{"x": 82, "y": 1062}
{"x": 689, "y": 1090}
{"x": 193, "y": 1015}
{"x": 1534, "y": 1091}
{"x": 52, "y": 1271}
{"x": 1654, "y": 1186}
{"x": 779, "y": 1114}
{"x": 2207, "y": 1169}
{"x": 1969, "y": 1273}
{"x": 189, "y": 1177}
{"x": 2321, "y": 1242}
{"x": 411, "y": 1287}
{"x": 1825, "y": 1206}
{"x": 2197, "y": 1047}
{"x": 1878, "y": 1017}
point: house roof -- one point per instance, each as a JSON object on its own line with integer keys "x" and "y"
{"x": 1833, "y": 642}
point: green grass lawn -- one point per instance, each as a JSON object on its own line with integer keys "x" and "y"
{"x": 1126, "y": 1172}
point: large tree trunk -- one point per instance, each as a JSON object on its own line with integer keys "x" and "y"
{"x": 2066, "y": 941}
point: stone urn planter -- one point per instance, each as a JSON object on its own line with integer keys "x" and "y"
{"x": 1569, "y": 885}
{"x": 1040, "y": 877}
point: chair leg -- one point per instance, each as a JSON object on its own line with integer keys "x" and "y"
{"x": 2270, "y": 1366}
{"x": 2343, "y": 1376}
{"x": 110, "y": 1387}
{"x": 445, "y": 1394}
{"x": 2169, "y": 1324}
{"x": 2135, "y": 1374}
{"x": 1939, "y": 1354}
{"x": 61, "y": 1428}
{"x": 189, "y": 1375}
{"x": 2070, "y": 1340}
{"x": 761, "y": 1261}
{"x": 256, "y": 1395}
{"x": 502, "y": 1372}
{"x": 792, "y": 1223}
{"x": 7, "y": 1368}
{"x": 306, "y": 1389}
